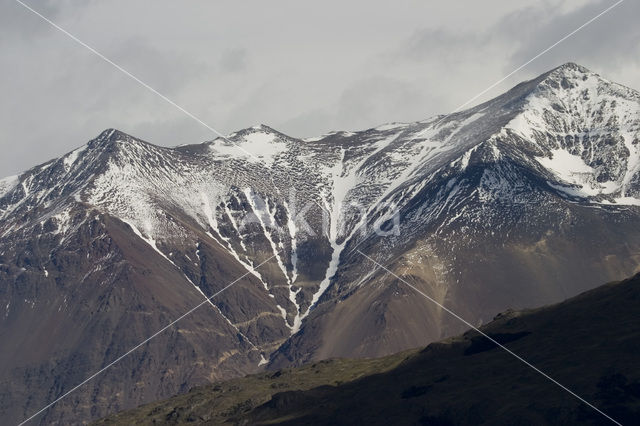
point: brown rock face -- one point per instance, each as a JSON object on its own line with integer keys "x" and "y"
{"x": 527, "y": 199}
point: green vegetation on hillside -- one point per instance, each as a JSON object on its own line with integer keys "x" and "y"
{"x": 589, "y": 343}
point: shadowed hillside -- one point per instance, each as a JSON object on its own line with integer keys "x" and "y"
{"x": 589, "y": 343}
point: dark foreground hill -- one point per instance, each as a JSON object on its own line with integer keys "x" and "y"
{"x": 589, "y": 343}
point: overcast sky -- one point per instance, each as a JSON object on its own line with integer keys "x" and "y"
{"x": 304, "y": 68}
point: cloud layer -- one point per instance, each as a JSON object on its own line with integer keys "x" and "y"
{"x": 302, "y": 68}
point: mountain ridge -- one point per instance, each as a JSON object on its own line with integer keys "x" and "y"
{"x": 478, "y": 211}
{"x": 108, "y": 133}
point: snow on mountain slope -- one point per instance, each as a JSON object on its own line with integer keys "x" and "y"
{"x": 579, "y": 129}
{"x": 497, "y": 206}
{"x": 589, "y": 129}
{"x": 477, "y": 207}
{"x": 254, "y": 146}
{"x": 7, "y": 184}
{"x": 493, "y": 205}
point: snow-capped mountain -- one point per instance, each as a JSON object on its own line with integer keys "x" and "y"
{"x": 497, "y": 206}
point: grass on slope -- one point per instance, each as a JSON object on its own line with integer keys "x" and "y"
{"x": 220, "y": 402}
{"x": 589, "y": 343}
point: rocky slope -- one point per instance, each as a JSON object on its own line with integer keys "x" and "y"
{"x": 588, "y": 343}
{"x": 524, "y": 200}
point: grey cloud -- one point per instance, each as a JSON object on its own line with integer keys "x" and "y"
{"x": 167, "y": 71}
{"x": 18, "y": 23}
{"x": 365, "y": 103}
{"x": 606, "y": 45}
{"x": 309, "y": 123}
{"x": 431, "y": 44}
{"x": 379, "y": 99}
{"x": 234, "y": 60}
{"x": 304, "y": 70}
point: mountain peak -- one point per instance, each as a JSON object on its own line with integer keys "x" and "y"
{"x": 113, "y": 135}
{"x": 571, "y": 67}
{"x": 113, "y": 140}
{"x": 565, "y": 73}
{"x": 262, "y": 127}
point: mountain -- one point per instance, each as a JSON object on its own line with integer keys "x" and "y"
{"x": 524, "y": 200}
{"x": 588, "y": 343}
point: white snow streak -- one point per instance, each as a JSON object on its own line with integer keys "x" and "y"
{"x": 71, "y": 158}
{"x": 266, "y": 219}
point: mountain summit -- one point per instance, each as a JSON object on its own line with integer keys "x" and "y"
{"x": 524, "y": 200}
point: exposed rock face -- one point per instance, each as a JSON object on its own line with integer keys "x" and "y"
{"x": 498, "y": 206}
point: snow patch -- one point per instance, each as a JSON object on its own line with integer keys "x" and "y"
{"x": 149, "y": 240}
{"x": 7, "y": 184}
{"x": 213, "y": 223}
{"x": 62, "y": 221}
{"x": 390, "y": 126}
{"x": 579, "y": 176}
{"x": 267, "y": 221}
{"x": 259, "y": 146}
{"x": 71, "y": 158}
{"x": 627, "y": 201}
